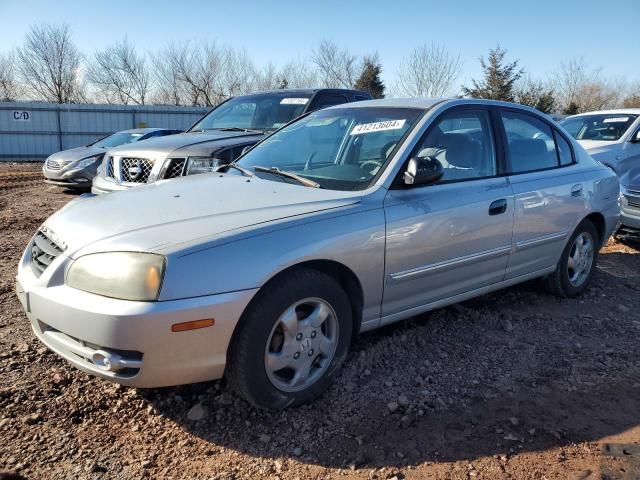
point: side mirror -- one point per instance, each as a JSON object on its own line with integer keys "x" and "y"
{"x": 246, "y": 149}
{"x": 636, "y": 137}
{"x": 422, "y": 171}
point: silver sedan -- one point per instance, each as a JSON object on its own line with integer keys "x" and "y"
{"x": 345, "y": 220}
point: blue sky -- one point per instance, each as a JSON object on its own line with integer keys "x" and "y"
{"x": 540, "y": 33}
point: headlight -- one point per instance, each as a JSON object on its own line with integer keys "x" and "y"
{"x": 124, "y": 275}
{"x": 201, "y": 165}
{"x": 88, "y": 161}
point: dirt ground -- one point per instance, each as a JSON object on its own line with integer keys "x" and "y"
{"x": 514, "y": 385}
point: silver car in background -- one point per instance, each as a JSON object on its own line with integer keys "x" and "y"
{"x": 613, "y": 138}
{"x": 76, "y": 167}
{"x": 349, "y": 218}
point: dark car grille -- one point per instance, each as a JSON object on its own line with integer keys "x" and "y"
{"x": 633, "y": 201}
{"x": 109, "y": 168}
{"x": 57, "y": 164}
{"x": 135, "y": 170}
{"x": 175, "y": 168}
{"x": 43, "y": 252}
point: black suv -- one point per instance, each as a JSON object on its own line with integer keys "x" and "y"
{"x": 217, "y": 138}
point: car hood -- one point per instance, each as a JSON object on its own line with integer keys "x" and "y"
{"x": 631, "y": 179}
{"x": 598, "y": 146}
{"x": 77, "y": 153}
{"x": 159, "y": 216}
{"x": 167, "y": 144}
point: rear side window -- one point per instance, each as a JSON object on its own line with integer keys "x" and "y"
{"x": 564, "y": 150}
{"x": 531, "y": 145}
{"x": 329, "y": 100}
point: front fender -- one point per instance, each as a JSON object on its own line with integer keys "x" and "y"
{"x": 355, "y": 239}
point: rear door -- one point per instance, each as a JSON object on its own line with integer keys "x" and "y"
{"x": 454, "y": 236}
{"x": 549, "y": 195}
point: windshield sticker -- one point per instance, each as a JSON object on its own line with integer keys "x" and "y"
{"x": 294, "y": 101}
{"x": 378, "y": 126}
{"x": 615, "y": 119}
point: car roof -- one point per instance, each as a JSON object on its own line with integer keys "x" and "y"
{"x": 615, "y": 111}
{"x": 303, "y": 91}
{"x": 144, "y": 130}
{"x": 428, "y": 103}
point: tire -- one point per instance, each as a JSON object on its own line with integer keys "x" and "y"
{"x": 566, "y": 282}
{"x": 282, "y": 326}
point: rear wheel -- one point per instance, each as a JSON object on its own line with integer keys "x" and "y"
{"x": 291, "y": 341}
{"x": 577, "y": 263}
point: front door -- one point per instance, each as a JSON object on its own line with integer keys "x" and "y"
{"x": 454, "y": 236}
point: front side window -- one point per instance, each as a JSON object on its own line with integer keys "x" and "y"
{"x": 341, "y": 149}
{"x": 531, "y": 145}
{"x": 120, "y": 138}
{"x": 462, "y": 142}
{"x": 601, "y": 127}
{"x": 258, "y": 112}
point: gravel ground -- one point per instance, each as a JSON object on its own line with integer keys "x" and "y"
{"x": 516, "y": 384}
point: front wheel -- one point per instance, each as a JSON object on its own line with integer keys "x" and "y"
{"x": 291, "y": 341}
{"x": 577, "y": 263}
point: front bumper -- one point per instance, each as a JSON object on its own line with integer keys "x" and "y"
{"x": 630, "y": 216}
{"x": 102, "y": 185}
{"x": 73, "y": 178}
{"x": 76, "y": 325}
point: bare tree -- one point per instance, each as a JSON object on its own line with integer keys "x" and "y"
{"x": 10, "y": 87}
{"x": 298, "y": 73}
{"x": 202, "y": 74}
{"x": 336, "y": 68}
{"x": 120, "y": 75}
{"x": 169, "y": 87}
{"x": 238, "y": 73}
{"x": 572, "y": 80}
{"x": 49, "y": 64}
{"x": 428, "y": 71}
{"x": 294, "y": 74}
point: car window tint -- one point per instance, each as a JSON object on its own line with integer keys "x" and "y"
{"x": 530, "y": 141}
{"x": 564, "y": 150}
{"x": 328, "y": 100}
{"x": 463, "y": 143}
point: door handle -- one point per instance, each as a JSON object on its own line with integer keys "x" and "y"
{"x": 498, "y": 207}
{"x": 576, "y": 190}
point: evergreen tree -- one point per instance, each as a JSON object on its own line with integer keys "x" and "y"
{"x": 571, "y": 109}
{"x": 369, "y": 79}
{"x": 536, "y": 95}
{"x": 499, "y": 77}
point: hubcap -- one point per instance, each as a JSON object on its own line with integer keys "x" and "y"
{"x": 301, "y": 345}
{"x": 580, "y": 259}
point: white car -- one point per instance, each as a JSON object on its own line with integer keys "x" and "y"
{"x": 613, "y": 138}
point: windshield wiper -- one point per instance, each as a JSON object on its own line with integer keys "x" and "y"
{"x": 244, "y": 171}
{"x": 283, "y": 173}
{"x": 237, "y": 129}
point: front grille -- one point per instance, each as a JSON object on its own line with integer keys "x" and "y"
{"x": 43, "y": 252}
{"x": 633, "y": 201}
{"x": 135, "y": 170}
{"x": 175, "y": 168}
{"x": 57, "y": 164}
{"x": 109, "y": 168}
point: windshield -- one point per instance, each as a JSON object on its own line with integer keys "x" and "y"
{"x": 340, "y": 149}
{"x": 116, "y": 139}
{"x": 606, "y": 127}
{"x": 259, "y": 112}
